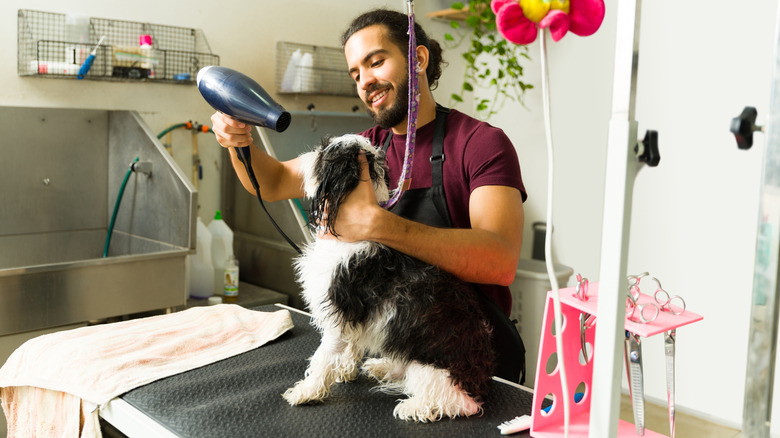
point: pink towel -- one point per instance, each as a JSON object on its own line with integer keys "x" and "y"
{"x": 89, "y": 366}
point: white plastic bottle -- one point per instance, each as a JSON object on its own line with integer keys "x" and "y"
{"x": 231, "y": 279}
{"x": 221, "y": 250}
{"x": 306, "y": 71}
{"x": 291, "y": 74}
{"x": 200, "y": 269}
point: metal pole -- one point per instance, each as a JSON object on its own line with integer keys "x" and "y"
{"x": 762, "y": 346}
{"x": 621, "y": 169}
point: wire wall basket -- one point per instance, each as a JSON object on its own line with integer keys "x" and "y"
{"x": 306, "y": 69}
{"x": 56, "y": 45}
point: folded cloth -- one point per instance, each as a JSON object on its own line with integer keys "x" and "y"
{"x": 97, "y": 363}
{"x": 38, "y": 412}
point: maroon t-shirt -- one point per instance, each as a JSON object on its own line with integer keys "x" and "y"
{"x": 476, "y": 154}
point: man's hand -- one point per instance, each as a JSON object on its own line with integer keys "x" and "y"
{"x": 356, "y": 212}
{"x": 230, "y": 132}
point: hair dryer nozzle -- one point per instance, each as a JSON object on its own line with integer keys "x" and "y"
{"x": 240, "y": 97}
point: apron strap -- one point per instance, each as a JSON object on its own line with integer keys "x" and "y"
{"x": 437, "y": 154}
{"x": 437, "y": 164}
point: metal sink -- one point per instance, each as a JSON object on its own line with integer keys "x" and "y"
{"x": 59, "y": 179}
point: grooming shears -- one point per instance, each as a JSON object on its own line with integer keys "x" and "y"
{"x": 586, "y": 319}
{"x": 633, "y": 347}
{"x": 670, "y": 336}
{"x": 633, "y": 356}
{"x": 638, "y": 312}
{"x": 663, "y": 302}
{"x": 632, "y": 350}
{"x": 669, "y": 339}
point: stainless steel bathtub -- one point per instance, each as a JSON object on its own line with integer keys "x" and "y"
{"x": 60, "y": 174}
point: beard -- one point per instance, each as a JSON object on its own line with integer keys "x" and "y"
{"x": 396, "y": 112}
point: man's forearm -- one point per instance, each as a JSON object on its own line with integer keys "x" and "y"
{"x": 473, "y": 255}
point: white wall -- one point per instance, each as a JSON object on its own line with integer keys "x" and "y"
{"x": 694, "y": 216}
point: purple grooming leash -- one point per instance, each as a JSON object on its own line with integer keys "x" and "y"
{"x": 411, "y": 120}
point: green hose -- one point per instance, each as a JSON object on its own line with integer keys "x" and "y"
{"x": 171, "y": 128}
{"x": 116, "y": 208}
{"x": 180, "y": 125}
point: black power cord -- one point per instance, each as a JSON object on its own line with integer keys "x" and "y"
{"x": 244, "y": 155}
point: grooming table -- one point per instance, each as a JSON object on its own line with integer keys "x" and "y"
{"x": 241, "y": 397}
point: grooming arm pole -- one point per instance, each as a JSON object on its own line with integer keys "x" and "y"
{"x": 762, "y": 344}
{"x": 621, "y": 169}
{"x": 268, "y": 148}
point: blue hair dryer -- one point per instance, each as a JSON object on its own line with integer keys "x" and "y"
{"x": 240, "y": 97}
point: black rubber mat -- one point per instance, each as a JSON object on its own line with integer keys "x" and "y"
{"x": 241, "y": 397}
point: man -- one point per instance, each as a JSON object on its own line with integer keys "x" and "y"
{"x": 464, "y": 209}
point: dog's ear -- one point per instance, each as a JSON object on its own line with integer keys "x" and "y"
{"x": 307, "y": 163}
{"x": 337, "y": 172}
{"x": 380, "y": 177}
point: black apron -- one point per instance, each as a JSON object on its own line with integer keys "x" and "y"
{"x": 429, "y": 206}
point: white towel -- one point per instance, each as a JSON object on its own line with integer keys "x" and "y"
{"x": 89, "y": 366}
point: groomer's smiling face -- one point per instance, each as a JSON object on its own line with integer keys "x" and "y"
{"x": 379, "y": 70}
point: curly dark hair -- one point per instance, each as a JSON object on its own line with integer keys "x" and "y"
{"x": 397, "y": 25}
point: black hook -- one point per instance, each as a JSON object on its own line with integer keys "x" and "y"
{"x": 647, "y": 149}
{"x": 743, "y": 127}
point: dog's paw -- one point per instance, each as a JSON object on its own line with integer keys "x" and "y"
{"x": 383, "y": 369}
{"x": 303, "y": 393}
{"x": 423, "y": 410}
{"x": 347, "y": 375}
{"x": 413, "y": 409}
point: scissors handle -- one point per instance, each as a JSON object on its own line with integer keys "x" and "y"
{"x": 666, "y": 300}
{"x": 642, "y": 316}
{"x": 582, "y": 288}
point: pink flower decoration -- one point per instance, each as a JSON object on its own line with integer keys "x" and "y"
{"x": 513, "y": 24}
{"x": 495, "y": 5}
{"x": 558, "y": 22}
{"x": 585, "y": 16}
{"x": 584, "y": 19}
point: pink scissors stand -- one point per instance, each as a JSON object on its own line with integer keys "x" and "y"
{"x": 579, "y": 371}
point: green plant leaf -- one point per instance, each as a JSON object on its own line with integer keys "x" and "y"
{"x": 480, "y": 42}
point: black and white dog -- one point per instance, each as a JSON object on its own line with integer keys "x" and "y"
{"x": 424, "y": 330}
